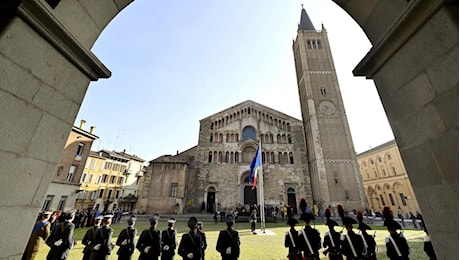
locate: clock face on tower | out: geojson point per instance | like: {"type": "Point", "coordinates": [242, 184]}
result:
{"type": "Point", "coordinates": [327, 107]}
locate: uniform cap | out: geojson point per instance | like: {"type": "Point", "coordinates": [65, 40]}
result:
{"type": "Point", "coordinates": [349, 221]}
{"type": "Point", "coordinates": [192, 222]}
{"type": "Point", "coordinates": [47, 212]}
{"type": "Point", "coordinates": [307, 217]}
{"type": "Point", "coordinates": [331, 223]}
{"type": "Point", "coordinates": [155, 217]}
{"type": "Point", "coordinates": [229, 219]}
{"type": "Point", "coordinates": [108, 216]}
{"type": "Point", "coordinates": [172, 220]}
{"type": "Point", "coordinates": [363, 226]}
{"type": "Point", "coordinates": [392, 224]}
{"type": "Point", "coordinates": [292, 222]}
{"type": "Point", "coordinates": [131, 220]}
{"type": "Point", "coordinates": [98, 217]}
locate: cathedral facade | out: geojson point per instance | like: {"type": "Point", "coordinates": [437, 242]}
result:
{"type": "Point", "coordinates": [213, 176]}
{"type": "Point", "coordinates": [312, 158]}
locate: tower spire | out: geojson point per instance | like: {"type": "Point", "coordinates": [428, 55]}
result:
{"type": "Point", "coordinates": [305, 22]}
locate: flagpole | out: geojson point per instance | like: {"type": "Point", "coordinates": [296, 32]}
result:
{"type": "Point", "coordinates": [261, 196]}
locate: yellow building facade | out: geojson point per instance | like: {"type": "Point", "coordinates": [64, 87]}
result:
{"type": "Point", "coordinates": [385, 180]}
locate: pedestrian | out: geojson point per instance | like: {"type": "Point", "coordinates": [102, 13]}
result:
{"type": "Point", "coordinates": [204, 243]}
{"type": "Point", "coordinates": [309, 238]}
{"type": "Point", "coordinates": [62, 240]}
{"type": "Point", "coordinates": [228, 242]}
{"type": "Point", "coordinates": [396, 243]}
{"type": "Point", "coordinates": [126, 240]}
{"type": "Point", "coordinates": [103, 240]}
{"type": "Point", "coordinates": [40, 232]}
{"type": "Point", "coordinates": [414, 220]}
{"type": "Point", "coordinates": [351, 244]}
{"type": "Point", "coordinates": [149, 243]}
{"type": "Point", "coordinates": [368, 240]}
{"type": "Point", "coordinates": [190, 243]}
{"type": "Point", "coordinates": [253, 220]}
{"type": "Point", "coordinates": [401, 217]}
{"type": "Point", "coordinates": [291, 241]}
{"type": "Point", "coordinates": [88, 239]}
{"type": "Point", "coordinates": [215, 217]}
{"type": "Point", "coordinates": [331, 238]}
{"type": "Point", "coordinates": [169, 241]}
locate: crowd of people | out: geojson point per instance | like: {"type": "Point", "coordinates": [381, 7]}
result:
{"type": "Point", "coordinates": [306, 242]}
{"type": "Point", "coordinates": [152, 243]}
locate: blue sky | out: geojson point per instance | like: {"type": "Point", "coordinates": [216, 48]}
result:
{"type": "Point", "coordinates": [176, 62]}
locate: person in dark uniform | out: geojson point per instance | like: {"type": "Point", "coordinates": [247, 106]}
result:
{"type": "Point", "coordinates": [169, 241]}
{"type": "Point", "coordinates": [40, 232]}
{"type": "Point", "coordinates": [368, 240]}
{"type": "Point", "coordinates": [149, 243]}
{"type": "Point", "coordinates": [88, 239]}
{"type": "Point", "coordinates": [351, 243]}
{"type": "Point", "coordinates": [291, 241]}
{"type": "Point", "coordinates": [204, 243]}
{"type": "Point", "coordinates": [228, 242]}
{"type": "Point", "coordinates": [103, 240]}
{"type": "Point", "coordinates": [126, 240]}
{"type": "Point", "coordinates": [309, 238]}
{"type": "Point", "coordinates": [397, 247]}
{"type": "Point", "coordinates": [332, 238]}
{"type": "Point", "coordinates": [62, 239]}
{"type": "Point", "coordinates": [190, 244]}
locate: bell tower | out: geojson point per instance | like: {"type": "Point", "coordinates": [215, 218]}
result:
{"type": "Point", "coordinates": [335, 177]}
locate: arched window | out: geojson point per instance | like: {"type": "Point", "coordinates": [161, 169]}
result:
{"type": "Point", "coordinates": [278, 138]}
{"type": "Point", "coordinates": [210, 138]}
{"type": "Point", "coordinates": [221, 138]}
{"type": "Point", "coordinates": [227, 138]}
{"type": "Point", "coordinates": [210, 157]}
{"type": "Point", "coordinates": [272, 155]}
{"type": "Point", "coordinates": [291, 158]}
{"type": "Point", "coordinates": [212, 126]}
{"type": "Point", "coordinates": [227, 159]}
{"type": "Point", "coordinates": [249, 133]}
{"type": "Point", "coordinates": [220, 157]}
{"type": "Point", "coordinates": [232, 157]}
{"type": "Point", "coordinates": [214, 158]}
{"type": "Point", "coordinates": [289, 139]}
{"type": "Point", "coordinates": [263, 157]}
{"type": "Point", "coordinates": [280, 158]}
{"type": "Point", "coordinates": [248, 154]}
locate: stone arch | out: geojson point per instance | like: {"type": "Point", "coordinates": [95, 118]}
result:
{"type": "Point", "coordinates": [396, 29]}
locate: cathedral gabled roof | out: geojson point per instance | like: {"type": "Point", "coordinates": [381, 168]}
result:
{"type": "Point", "coordinates": [305, 22]}
{"type": "Point", "coordinates": [252, 104]}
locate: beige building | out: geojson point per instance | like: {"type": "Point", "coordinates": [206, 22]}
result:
{"type": "Point", "coordinates": [386, 181]}
{"type": "Point", "coordinates": [110, 181]}
{"type": "Point", "coordinates": [64, 188]}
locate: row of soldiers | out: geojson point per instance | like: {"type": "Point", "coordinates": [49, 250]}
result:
{"type": "Point", "coordinates": [151, 243]}
{"type": "Point", "coordinates": [306, 243]}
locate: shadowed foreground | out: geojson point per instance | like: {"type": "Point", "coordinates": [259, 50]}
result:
{"type": "Point", "coordinates": [262, 246]}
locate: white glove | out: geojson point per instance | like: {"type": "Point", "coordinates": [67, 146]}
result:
{"type": "Point", "coordinates": [166, 248]}
{"type": "Point", "coordinates": [147, 249]}
{"type": "Point", "coordinates": [190, 255]}
{"type": "Point", "coordinates": [97, 247]}
{"type": "Point", "coordinates": [228, 251]}
{"type": "Point", "coordinates": [58, 243]}
{"type": "Point", "coordinates": [125, 242]}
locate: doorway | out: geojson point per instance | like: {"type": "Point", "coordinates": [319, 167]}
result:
{"type": "Point", "coordinates": [292, 200]}
{"type": "Point", "coordinates": [211, 200]}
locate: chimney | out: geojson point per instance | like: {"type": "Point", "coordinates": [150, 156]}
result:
{"type": "Point", "coordinates": [91, 129]}
{"type": "Point", "coordinates": [82, 123]}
